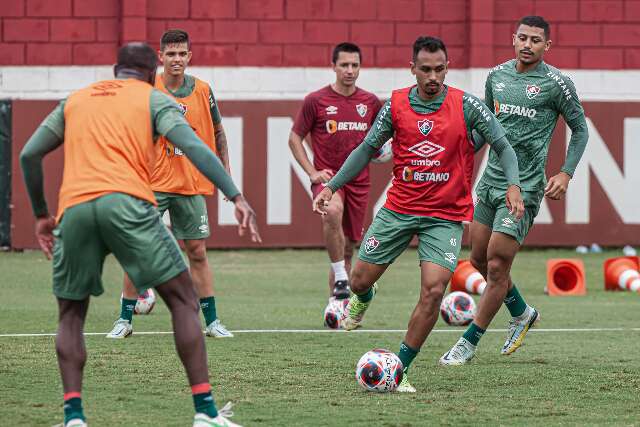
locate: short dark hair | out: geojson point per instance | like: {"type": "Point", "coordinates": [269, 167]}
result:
{"type": "Point", "coordinates": [174, 37]}
{"type": "Point", "coordinates": [430, 44]}
{"type": "Point", "coordinates": [345, 47]}
{"type": "Point", "coordinates": [536, 21]}
{"type": "Point", "coordinates": [137, 55]}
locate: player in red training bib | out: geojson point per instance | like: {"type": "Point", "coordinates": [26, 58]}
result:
{"type": "Point", "coordinates": [430, 196]}
{"type": "Point", "coordinates": [337, 118]}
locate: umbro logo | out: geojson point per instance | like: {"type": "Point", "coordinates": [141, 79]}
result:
{"type": "Point", "coordinates": [426, 149]}
{"type": "Point", "coordinates": [450, 257]}
{"type": "Point", "coordinates": [331, 109]}
{"type": "Point", "coordinates": [499, 87]}
{"type": "Point", "coordinates": [507, 222]}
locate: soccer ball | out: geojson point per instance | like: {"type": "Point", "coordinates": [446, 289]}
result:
{"type": "Point", "coordinates": [145, 302]}
{"type": "Point", "coordinates": [384, 153]}
{"type": "Point", "coordinates": [379, 370]}
{"type": "Point", "coordinates": [458, 309]}
{"type": "Point", "coordinates": [335, 312]}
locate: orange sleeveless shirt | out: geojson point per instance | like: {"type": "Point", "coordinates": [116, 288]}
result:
{"type": "Point", "coordinates": [173, 172]}
{"type": "Point", "coordinates": [108, 143]}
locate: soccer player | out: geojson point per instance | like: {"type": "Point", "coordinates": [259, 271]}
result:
{"type": "Point", "coordinates": [527, 96]}
{"type": "Point", "coordinates": [337, 117]}
{"type": "Point", "coordinates": [178, 186]}
{"type": "Point", "coordinates": [431, 192]}
{"type": "Point", "coordinates": [106, 205]}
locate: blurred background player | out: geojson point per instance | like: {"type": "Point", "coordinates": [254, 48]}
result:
{"type": "Point", "coordinates": [527, 96]}
{"type": "Point", "coordinates": [178, 186]}
{"type": "Point", "coordinates": [106, 205]}
{"type": "Point", "coordinates": [337, 117]}
{"type": "Point", "coordinates": [433, 150]}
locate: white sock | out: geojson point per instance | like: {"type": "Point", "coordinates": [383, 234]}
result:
{"type": "Point", "coordinates": [339, 271]}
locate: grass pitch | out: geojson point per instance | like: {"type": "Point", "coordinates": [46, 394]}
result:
{"type": "Point", "coordinates": [572, 377]}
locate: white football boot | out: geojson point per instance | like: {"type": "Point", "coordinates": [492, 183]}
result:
{"type": "Point", "coordinates": [518, 328]}
{"type": "Point", "coordinates": [217, 330]}
{"type": "Point", "coordinates": [222, 420]}
{"type": "Point", "coordinates": [404, 386]}
{"type": "Point", "coordinates": [462, 352]}
{"type": "Point", "coordinates": [76, 422]}
{"type": "Point", "coordinates": [121, 329]}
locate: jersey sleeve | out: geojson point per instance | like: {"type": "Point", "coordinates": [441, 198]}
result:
{"type": "Point", "coordinates": [55, 120]}
{"type": "Point", "coordinates": [488, 92]}
{"type": "Point", "coordinates": [382, 128]}
{"type": "Point", "coordinates": [479, 118]}
{"type": "Point", "coordinates": [569, 106]}
{"type": "Point", "coordinates": [165, 113]}
{"type": "Point", "coordinates": [306, 117]}
{"type": "Point", "coordinates": [216, 117]}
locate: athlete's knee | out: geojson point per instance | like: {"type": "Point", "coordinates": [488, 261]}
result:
{"type": "Point", "coordinates": [334, 214]}
{"type": "Point", "coordinates": [431, 294]}
{"type": "Point", "coordinates": [497, 269]}
{"type": "Point", "coordinates": [479, 263]}
{"type": "Point", "coordinates": [196, 251]}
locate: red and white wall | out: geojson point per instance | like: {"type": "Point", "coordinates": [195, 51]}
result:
{"type": "Point", "coordinates": [263, 56]}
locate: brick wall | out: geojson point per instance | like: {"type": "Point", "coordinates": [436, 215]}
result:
{"type": "Point", "coordinates": [589, 34]}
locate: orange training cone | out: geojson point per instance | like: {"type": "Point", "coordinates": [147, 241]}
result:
{"type": "Point", "coordinates": [467, 279]}
{"type": "Point", "coordinates": [621, 274]}
{"type": "Point", "coordinates": [566, 277]}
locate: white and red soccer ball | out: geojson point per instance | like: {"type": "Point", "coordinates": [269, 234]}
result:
{"type": "Point", "coordinates": [145, 303]}
{"type": "Point", "coordinates": [335, 312]}
{"type": "Point", "coordinates": [379, 370]}
{"type": "Point", "coordinates": [458, 309]}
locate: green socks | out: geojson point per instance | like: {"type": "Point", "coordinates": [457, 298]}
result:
{"type": "Point", "coordinates": [406, 355]}
{"type": "Point", "coordinates": [473, 333]}
{"type": "Point", "coordinates": [72, 407]}
{"type": "Point", "coordinates": [126, 309]}
{"type": "Point", "coordinates": [514, 302]}
{"type": "Point", "coordinates": [208, 306]}
{"type": "Point", "coordinates": [366, 297]}
{"type": "Point", "coordinates": [203, 400]}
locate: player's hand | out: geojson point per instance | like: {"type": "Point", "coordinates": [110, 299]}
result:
{"type": "Point", "coordinates": [321, 177]}
{"type": "Point", "coordinates": [321, 201]}
{"type": "Point", "coordinates": [246, 219]}
{"type": "Point", "coordinates": [557, 186]}
{"type": "Point", "coordinates": [44, 234]}
{"type": "Point", "coordinates": [515, 204]}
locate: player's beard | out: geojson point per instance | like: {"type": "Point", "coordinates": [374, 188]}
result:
{"type": "Point", "coordinates": [431, 88]}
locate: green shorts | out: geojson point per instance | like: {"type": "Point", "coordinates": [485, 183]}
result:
{"type": "Point", "coordinates": [491, 210]}
{"type": "Point", "coordinates": [390, 233]}
{"type": "Point", "coordinates": [117, 223]}
{"type": "Point", "coordinates": [189, 219]}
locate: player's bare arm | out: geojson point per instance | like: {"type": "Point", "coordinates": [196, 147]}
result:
{"type": "Point", "coordinates": [297, 148]}
{"type": "Point", "coordinates": [221, 146]}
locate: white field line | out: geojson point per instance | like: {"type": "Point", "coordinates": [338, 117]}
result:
{"type": "Point", "coordinates": [331, 331]}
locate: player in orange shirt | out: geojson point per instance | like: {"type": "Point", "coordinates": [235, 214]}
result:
{"type": "Point", "coordinates": [178, 186]}
{"type": "Point", "coordinates": [106, 205]}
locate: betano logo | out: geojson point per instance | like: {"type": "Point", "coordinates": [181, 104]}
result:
{"type": "Point", "coordinates": [514, 109]}
{"type": "Point", "coordinates": [333, 126]}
